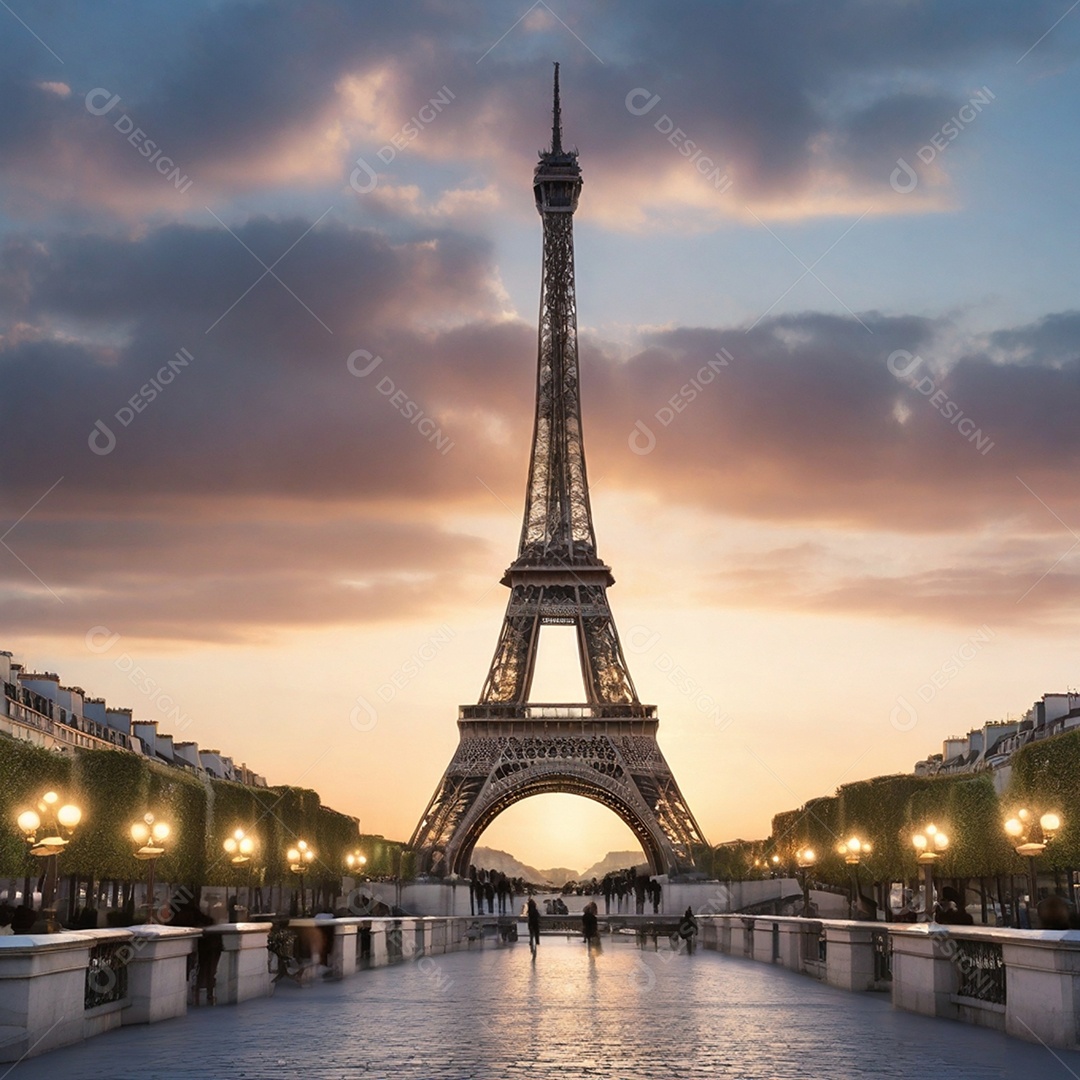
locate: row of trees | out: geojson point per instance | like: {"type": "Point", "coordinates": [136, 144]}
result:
{"type": "Point", "coordinates": [887, 810]}
{"type": "Point", "coordinates": [115, 789]}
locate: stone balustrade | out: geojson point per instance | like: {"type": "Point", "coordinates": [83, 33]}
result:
{"type": "Point", "coordinates": [340, 947]}
{"type": "Point", "coordinates": [1023, 982]}
{"type": "Point", "coordinates": [57, 989]}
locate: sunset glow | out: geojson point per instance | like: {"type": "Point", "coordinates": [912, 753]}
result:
{"type": "Point", "coordinates": [267, 408]}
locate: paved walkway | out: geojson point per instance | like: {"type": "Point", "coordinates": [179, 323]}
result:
{"type": "Point", "coordinates": [493, 1015]}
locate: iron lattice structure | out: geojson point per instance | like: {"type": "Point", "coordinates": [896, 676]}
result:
{"type": "Point", "coordinates": [604, 748]}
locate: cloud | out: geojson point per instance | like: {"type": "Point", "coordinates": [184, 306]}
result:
{"type": "Point", "coordinates": [963, 582]}
{"type": "Point", "coordinates": [805, 113]}
{"type": "Point", "coordinates": [807, 421]}
{"type": "Point", "coordinates": [231, 578]}
{"type": "Point", "coordinates": [341, 457]}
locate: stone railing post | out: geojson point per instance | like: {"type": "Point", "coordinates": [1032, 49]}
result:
{"type": "Point", "coordinates": [157, 972]}
{"type": "Point", "coordinates": [343, 952]}
{"type": "Point", "coordinates": [379, 957]}
{"type": "Point", "coordinates": [925, 978]}
{"type": "Point", "coordinates": [849, 954]}
{"type": "Point", "coordinates": [1042, 973]}
{"type": "Point", "coordinates": [42, 982]}
{"type": "Point", "coordinates": [243, 970]}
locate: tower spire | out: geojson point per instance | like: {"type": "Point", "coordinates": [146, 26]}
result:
{"type": "Point", "coordinates": [556, 118]}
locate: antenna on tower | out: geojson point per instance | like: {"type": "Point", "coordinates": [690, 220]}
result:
{"type": "Point", "coordinates": [556, 118]}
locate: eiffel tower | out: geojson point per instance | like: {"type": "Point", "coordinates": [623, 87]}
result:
{"type": "Point", "coordinates": [510, 748]}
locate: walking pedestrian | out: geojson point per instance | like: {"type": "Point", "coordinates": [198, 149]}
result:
{"type": "Point", "coordinates": [532, 915]}
{"type": "Point", "coordinates": [590, 924]}
{"type": "Point", "coordinates": [688, 929]}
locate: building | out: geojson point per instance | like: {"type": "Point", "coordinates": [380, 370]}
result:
{"type": "Point", "coordinates": [38, 709]}
{"type": "Point", "coordinates": [991, 746]}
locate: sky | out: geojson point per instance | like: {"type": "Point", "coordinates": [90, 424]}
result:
{"type": "Point", "coordinates": [826, 270]}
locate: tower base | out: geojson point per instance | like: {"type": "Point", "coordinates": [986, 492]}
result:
{"type": "Point", "coordinates": [608, 753]}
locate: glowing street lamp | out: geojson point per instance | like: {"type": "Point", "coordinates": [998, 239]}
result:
{"type": "Point", "coordinates": [150, 835]}
{"type": "Point", "coordinates": [48, 830]}
{"type": "Point", "coordinates": [929, 844]}
{"type": "Point", "coordinates": [805, 858]}
{"type": "Point", "coordinates": [853, 850]}
{"type": "Point", "coordinates": [300, 858]}
{"type": "Point", "coordinates": [239, 847]}
{"type": "Point", "coordinates": [1030, 839]}
{"type": "Point", "coordinates": [356, 861]}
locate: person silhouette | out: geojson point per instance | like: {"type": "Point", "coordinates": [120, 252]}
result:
{"type": "Point", "coordinates": [688, 929]}
{"type": "Point", "coordinates": [532, 915]}
{"type": "Point", "coordinates": [590, 927]}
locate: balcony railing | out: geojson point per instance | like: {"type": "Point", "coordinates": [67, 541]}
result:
{"type": "Point", "coordinates": [982, 970]}
{"type": "Point", "coordinates": [537, 711]}
{"type": "Point", "coordinates": [73, 734]}
{"type": "Point", "coordinates": [106, 974]}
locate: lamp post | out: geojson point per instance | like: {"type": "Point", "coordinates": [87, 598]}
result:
{"type": "Point", "coordinates": [300, 858]}
{"type": "Point", "coordinates": [355, 861]}
{"type": "Point", "coordinates": [853, 851]}
{"type": "Point", "coordinates": [1030, 839]}
{"type": "Point", "coordinates": [805, 859]}
{"type": "Point", "coordinates": [150, 835]}
{"type": "Point", "coordinates": [929, 844]}
{"type": "Point", "coordinates": [239, 847]}
{"type": "Point", "coordinates": [48, 830]}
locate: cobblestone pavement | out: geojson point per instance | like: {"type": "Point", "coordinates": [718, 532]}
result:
{"type": "Point", "coordinates": [494, 1015]}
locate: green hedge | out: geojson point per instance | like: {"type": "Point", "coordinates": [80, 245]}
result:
{"type": "Point", "coordinates": [115, 789]}
{"type": "Point", "coordinates": [1046, 776]}
{"type": "Point", "coordinates": [26, 773]}
{"type": "Point", "coordinates": [888, 810]}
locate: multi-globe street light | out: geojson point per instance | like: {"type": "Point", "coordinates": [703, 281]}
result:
{"type": "Point", "coordinates": [1030, 838]}
{"type": "Point", "coordinates": [853, 850]}
{"type": "Point", "coordinates": [48, 830]}
{"type": "Point", "coordinates": [805, 858]}
{"type": "Point", "coordinates": [300, 858]}
{"type": "Point", "coordinates": [929, 844]}
{"type": "Point", "coordinates": [150, 835]}
{"type": "Point", "coordinates": [239, 847]}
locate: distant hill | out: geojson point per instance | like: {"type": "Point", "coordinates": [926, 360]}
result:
{"type": "Point", "coordinates": [560, 875]}
{"type": "Point", "coordinates": [492, 859]}
{"type": "Point", "coordinates": [613, 860]}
